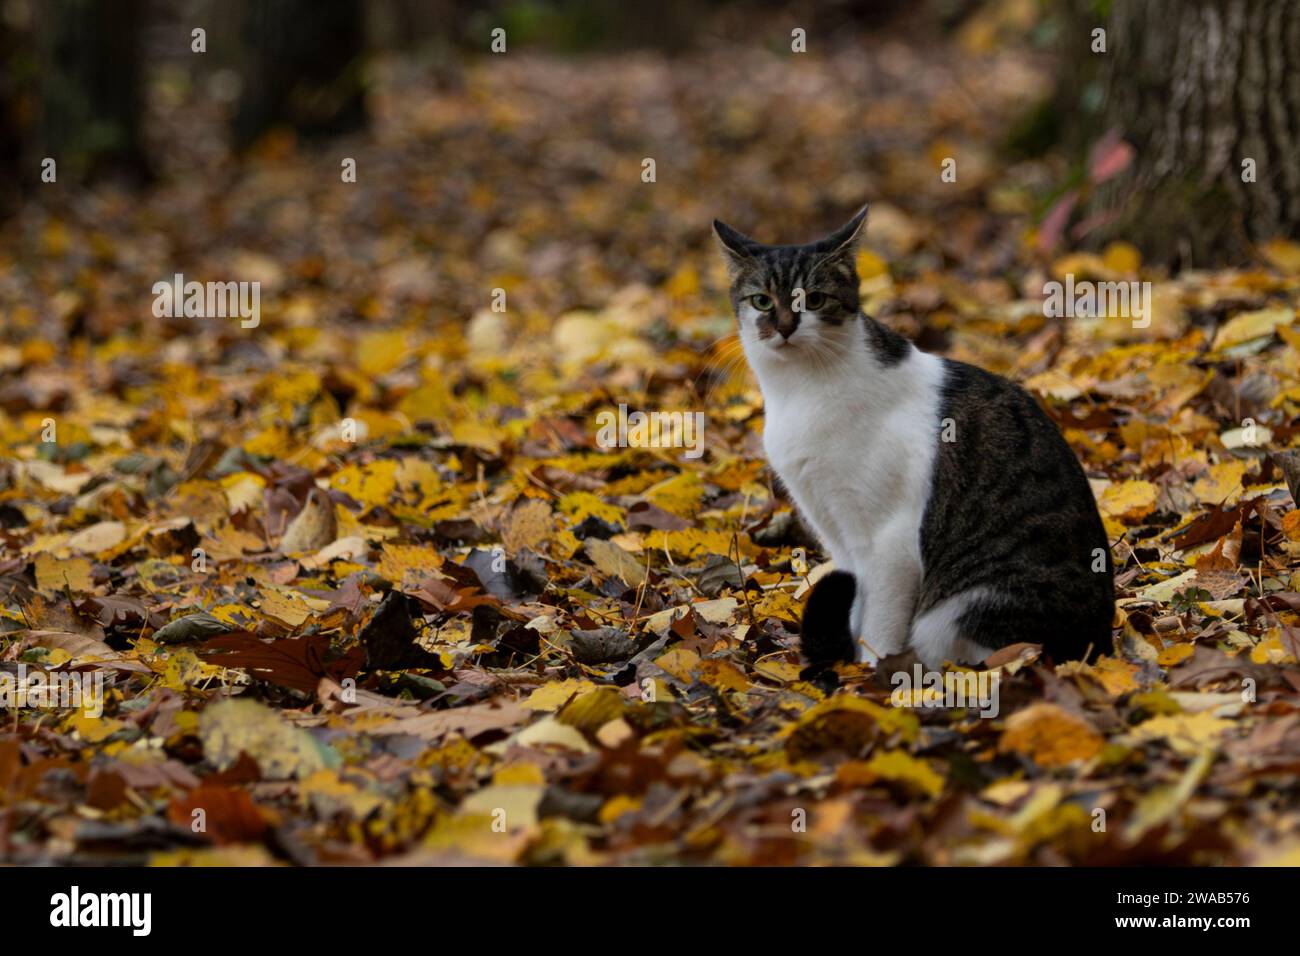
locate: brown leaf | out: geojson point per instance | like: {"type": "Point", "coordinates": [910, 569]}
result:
{"type": "Point", "coordinates": [228, 815]}
{"type": "Point", "coordinates": [389, 637]}
{"type": "Point", "coordinates": [1289, 464]}
{"type": "Point", "coordinates": [295, 663]}
{"type": "Point", "coordinates": [470, 722]}
{"type": "Point", "coordinates": [527, 526]}
{"type": "Point", "coordinates": [313, 528]}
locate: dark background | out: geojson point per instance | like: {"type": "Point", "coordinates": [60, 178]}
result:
{"type": "Point", "coordinates": [1193, 86]}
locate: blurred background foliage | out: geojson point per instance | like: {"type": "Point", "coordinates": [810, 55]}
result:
{"type": "Point", "coordinates": [1179, 94]}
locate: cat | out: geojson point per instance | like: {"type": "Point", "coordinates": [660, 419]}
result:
{"type": "Point", "coordinates": [957, 518]}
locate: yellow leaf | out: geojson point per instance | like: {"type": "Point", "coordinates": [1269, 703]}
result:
{"type": "Point", "coordinates": [1121, 257]}
{"type": "Point", "coordinates": [1115, 675]}
{"type": "Point", "coordinates": [618, 805]}
{"type": "Point", "coordinates": [1188, 734]}
{"type": "Point", "coordinates": [613, 562]}
{"type": "Point", "coordinates": [240, 725]}
{"type": "Point", "coordinates": [1174, 653]}
{"type": "Point", "coordinates": [1162, 592]}
{"type": "Point", "coordinates": [581, 505]}
{"type": "Point", "coordinates": [717, 611]}
{"type": "Point", "coordinates": [1083, 265]}
{"type": "Point", "coordinates": [408, 563]}
{"type": "Point", "coordinates": [1283, 255]}
{"type": "Point", "coordinates": [1222, 484]}
{"type": "Point", "coordinates": [779, 604]}
{"type": "Point", "coordinates": [1290, 336]}
{"type": "Point", "coordinates": [692, 543]}
{"type": "Point", "coordinates": [477, 435]}
{"type": "Point", "coordinates": [685, 282]}
{"type": "Point", "coordinates": [52, 574]}
{"type": "Point", "coordinates": [380, 352]}
{"type": "Point", "coordinates": [222, 856]}
{"type": "Point", "coordinates": [1005, 792]}
{"type": "Point", "coordinates": [1129, 500]}
{"type": "Point", "coordinates": [723, 675]}
{"type": "Point", "coordinates": [1050, 736]}
{"type": "Point", "coordinates": [556, 693]}
{"type": "Point", "coordinates": [429, 402]}
{"type": "Point", "coordinates": [269, 441]}
{"type": "Point", "coordinates": [779, 671]}
{"type": "Point", "coordinates": [243, 491]}
{"type": "Point", "coordinates": [615, 733]}
{"type": "Point", "coordinates": [680, 663]}
{"type": "Point", "coordinates": [370, 484]}
{"type": "Point", "coordinates": [1252, 325]}
{"type": "Point", "coordinates": [519, 774]}
{"type": "Point", "coordinates": [287, 607]}
{"type": "Point", "coordinates": [1160, 804]}
{"type": "Point", "coordinates": [679, 494]}
{"type": "Point", "coordinates": [901, 767]}
{"type": "Point", "coordinates": [592, 710]}
{"type": "Point", "coordinates": [1270, 650]}
{"type": "Point", "coordinates": [528, 526]}
{"type": "Point", "coordinates": [420, 475]}
{"type": "Point", "coordinates": [93, 730]}
{"type": "Point", "coordinates": [329, 794]}
{"type": "Point", "coordinates": [515, 805]}
{"type": "Point", "coordinates": [870, 265]}
{"type": "Point", "coordinates": [373, 424]}
{"type": "Point", "coordinates": [848, 723]}
{"type": "Point", "coordinates": [98, 537]}
{"type": "Point", "coordinates": [550, 731]}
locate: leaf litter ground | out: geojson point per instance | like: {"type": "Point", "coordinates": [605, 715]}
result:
{"type": "Point", "coordinates": [361, 585]}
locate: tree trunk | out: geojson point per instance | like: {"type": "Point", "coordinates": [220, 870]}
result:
{"type": "Point", "coordinates": [89, 87]}
{"type": "Point", "coordinates": [17, 106]}
{"type": "Point", "coordinates": [1208, 94]}
{"type": "Point", "coordinates": [304, 68]}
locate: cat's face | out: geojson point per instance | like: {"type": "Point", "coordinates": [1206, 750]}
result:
{"type": "Point", "coordinates": [793, 302]}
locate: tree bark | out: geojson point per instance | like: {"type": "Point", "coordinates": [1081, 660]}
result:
{"type": "Point", "coordinates": [1201, 89]}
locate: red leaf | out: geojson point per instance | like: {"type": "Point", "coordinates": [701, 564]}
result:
{"type": "Point", "coordinates": [229, 816]}
{"type": "Point", "coordinates": [1110, 156]}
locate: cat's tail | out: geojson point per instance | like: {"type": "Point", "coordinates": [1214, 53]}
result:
{"type": "Point", "coordinates": [825, 632]}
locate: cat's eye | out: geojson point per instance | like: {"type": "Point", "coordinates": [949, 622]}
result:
{"type": "Point", "coordinates": [762, 302]}
{"type": "Point", "coordinates": [814, 301]}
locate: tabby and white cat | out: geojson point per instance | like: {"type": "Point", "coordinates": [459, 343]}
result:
{"type": "Point", "coordinates": [957, 517]}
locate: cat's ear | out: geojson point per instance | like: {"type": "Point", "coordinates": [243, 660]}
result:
{"type": "Point", "coordinates": [844, 240]}
{"type": "Point", "coordinates": [737, 248]}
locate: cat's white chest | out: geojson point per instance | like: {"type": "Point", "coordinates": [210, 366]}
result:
{"type": "Point", "coordinates": [857, 455]}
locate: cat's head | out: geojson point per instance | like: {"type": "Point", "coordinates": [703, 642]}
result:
{"type": "Point", "coordinates": [793, 301]}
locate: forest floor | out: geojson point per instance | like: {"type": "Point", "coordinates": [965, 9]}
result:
{"type": "Point", "coordinates": [486, 638]}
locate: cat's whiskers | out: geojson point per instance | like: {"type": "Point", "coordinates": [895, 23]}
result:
{"type": "Point", "coordinates": [719, 350]}
{"type": "Point", "coordinates": [725, 376]}
{"type": "Point", "coordinates": [728, 355]}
